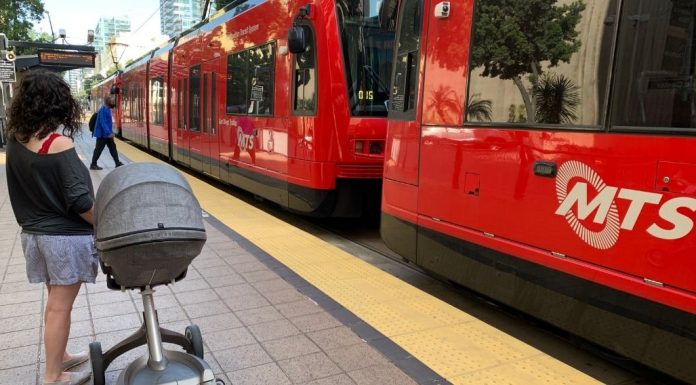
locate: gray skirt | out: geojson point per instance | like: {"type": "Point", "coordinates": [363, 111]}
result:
{"type": "Point", "coordinates": [60, 259]}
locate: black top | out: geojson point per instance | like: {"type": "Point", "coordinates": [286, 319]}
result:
{"type": "Point", "coordinates": [48, 191]}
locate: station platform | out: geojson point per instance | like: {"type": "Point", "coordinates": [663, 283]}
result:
{"type": "Point", "coordinates": [276, 305]}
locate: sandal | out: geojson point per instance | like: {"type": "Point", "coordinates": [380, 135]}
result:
{"type": "Point", "coordinates": [76, 378]}
{"type": "Point", "coordinates": [76, 359]}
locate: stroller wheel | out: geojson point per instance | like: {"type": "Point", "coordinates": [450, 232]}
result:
{"type": "Point", "coordinates": [193, 334]}
{"type": "Point", "coordinates": [219, 382]}
{"type": "Point", "coordinates": [97, 359]}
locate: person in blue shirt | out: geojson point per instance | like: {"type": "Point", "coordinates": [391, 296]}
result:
{"type": "Point", "coordinates": [103, 131]}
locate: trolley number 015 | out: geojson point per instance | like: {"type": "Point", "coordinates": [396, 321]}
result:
{"type": "Point", "coordinates": [366, 95]}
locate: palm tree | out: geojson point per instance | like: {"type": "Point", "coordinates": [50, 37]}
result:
{"type": "Point", "coordinates": [479, 109]}
{"type": "Point", "coordinates": [556, 99]}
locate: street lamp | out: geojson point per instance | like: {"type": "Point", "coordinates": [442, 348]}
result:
{"type": "Point", "coordinates": [114, 47]}
{"type": "Point", "coordinates": [50, 23]}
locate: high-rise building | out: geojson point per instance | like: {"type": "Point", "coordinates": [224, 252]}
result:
{"type": "Point", "coordinates": [179, 15]}
{"type": "Point", "coordinates": [74, 79]}
{"type": "Point", "coordinates": [107, 27]}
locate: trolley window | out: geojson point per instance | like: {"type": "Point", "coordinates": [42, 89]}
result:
{"type": "Point", "coordinates": [125, 104]}
{"type": "Point", "coordinates": [157, 100]}
{"type": "Point", "coordinates": [654, 81]}
{"type": "Point", "coordinates": [405, 76]}
{"type": "Point", "coordinates": [195, 98]}
{"type": "Point", "coordinates": [206, 103]}
{"type": "Point", "coordinates": [180, 117]}
{"type": "Point", "coordinates": [368, 54]}
{"type": "Point", "coordinates": [305, 97]}
{"type": "Point", "coordinates": [250, 81]}
{"type": "Point", "coordinates": [549, 65]}
{"type": "Point", "coordinates": [139, 104]}
{"type": "Point", "coordinates": [132, 104]}
{"type": "Point", "coordinates": [213, 104]}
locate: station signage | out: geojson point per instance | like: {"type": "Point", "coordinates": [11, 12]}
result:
{"type": "Point", "coordinates": [7, 71]}
{"type": "Point", "coordinates": [66, 58]}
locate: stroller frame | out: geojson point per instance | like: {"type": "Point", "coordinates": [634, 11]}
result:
{"type": "Point", "coordinates": [159, 366]}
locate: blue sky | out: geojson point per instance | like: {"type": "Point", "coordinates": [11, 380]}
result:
{"type": "Point", "coordinates": [77, 16]}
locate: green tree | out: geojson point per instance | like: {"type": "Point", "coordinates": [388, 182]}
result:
{"type": "Point", "coordinates": [112, 70]}
{"type": "Point", "coordinates": [37, 37]}
{"type": "Point", "coordinates": [17, 17]}
{"type": "Point", "coordinates": [479, 109]}
{"type": "Point", "coordinates": [91, 81]}
{"type": "Point", "coordinates": [556, 98]}
{"type": "Point", "coordinates": [40, 37]}
{"type": "Point", "coordinates": [512, 38]}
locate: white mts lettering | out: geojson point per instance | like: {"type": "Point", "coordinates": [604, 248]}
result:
{"type": "Point", "coordinates": [669, 212]}
{"type": "Point", "coordinates": [638, 200]}
{"type": "Point", "coordinates": [244, 141]}
{"type": "Point", "coordinates": [601, 203]}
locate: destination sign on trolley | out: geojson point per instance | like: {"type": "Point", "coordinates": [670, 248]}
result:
{"type": "Point", "coordinates": [66, 58]}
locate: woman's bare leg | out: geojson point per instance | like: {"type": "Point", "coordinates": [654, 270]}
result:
{"type": "Point", "coordinates": [57, 329]}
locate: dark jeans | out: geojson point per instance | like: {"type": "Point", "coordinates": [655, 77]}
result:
{"type": "Point", "coordinates": [108, 142]}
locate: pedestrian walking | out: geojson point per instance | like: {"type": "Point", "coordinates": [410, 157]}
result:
{"type": "Point", "coordinates": [52, 198]}
{"type": "Point", "coordinates": [104, 132]}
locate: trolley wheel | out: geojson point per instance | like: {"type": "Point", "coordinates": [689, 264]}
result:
{"type": "Point", "coordinates": [97, 359]}
{"type": "Point", "coordinates": [193, 334]}
{"type": "Point", "coordinates": [219, 382]}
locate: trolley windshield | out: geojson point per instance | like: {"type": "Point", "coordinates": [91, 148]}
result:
{"type": "Point", "coordinates": [368, 54]}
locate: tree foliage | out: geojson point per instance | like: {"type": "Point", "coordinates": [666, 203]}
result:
{"type": "Point", "coordinates": [556, 98]}
{"type": "Point", "coordinates": [17, 18]}
{"type": "Point", "coordinates": [478, 109]}
{"type": "Point", "coordinates": [37, 37]}
{"type": "Point", "coordinates": [91, 81]}
{"type": "Point", "coordinates": [113, 69]}
{"type": "Point", "coordinates": [513, 38]}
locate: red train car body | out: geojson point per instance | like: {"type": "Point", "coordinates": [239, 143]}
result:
{"type": "Point", "coordinates": [552, 168]}
{"type": "Point", "coordinates": [228, 99]}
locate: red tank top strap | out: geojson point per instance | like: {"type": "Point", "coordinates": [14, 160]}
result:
{"type": "Point", "coordinates": [47, 143]}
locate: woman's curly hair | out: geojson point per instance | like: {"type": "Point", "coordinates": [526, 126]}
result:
{"type": "Point", "coordinates": [41, 105]}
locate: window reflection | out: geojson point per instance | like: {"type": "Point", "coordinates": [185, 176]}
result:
{"type": "Point", "coordinates": [157, 100]}
{"type": "Point", "coordinates": [250, 81]}
{"type": "Point", "coordinates": [540, 66]}
{"type": "Point", "coordinates": [367, 53]}
{"type": "Point", "coordinates": [305, 76]}
{"type": "Point", "coordinates": [654, 80]}
{"type": "Point", "coordinates": [195, 98]}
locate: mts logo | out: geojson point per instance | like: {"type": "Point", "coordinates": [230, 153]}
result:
{"type": "Point", "coordinates": [602, 209]}
{"type": "Point", "coordinates": [245, 141]}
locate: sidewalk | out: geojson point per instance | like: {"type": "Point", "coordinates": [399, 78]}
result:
{"type": "Point", "coordinates": [261, 323]}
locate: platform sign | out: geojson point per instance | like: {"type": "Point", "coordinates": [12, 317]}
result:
{"type": "Point", "coordinates": [67, 58]}
{"type": "Point", "coordinates": [7, 72]}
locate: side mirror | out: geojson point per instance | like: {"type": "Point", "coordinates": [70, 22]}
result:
{"type": "Point", "coordinates": [297, 42]}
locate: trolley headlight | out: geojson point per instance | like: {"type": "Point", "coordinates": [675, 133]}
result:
{"type": "Point", "coordinates": [359, 146]}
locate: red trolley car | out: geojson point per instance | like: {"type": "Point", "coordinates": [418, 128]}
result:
{"type": "Point", "coordinates": [542, 153]}
{"type": "Point", "coordinates": [228, 98]}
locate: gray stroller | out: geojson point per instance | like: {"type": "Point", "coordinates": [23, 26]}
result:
{"type": "Point", "coordinates": [149, 228]}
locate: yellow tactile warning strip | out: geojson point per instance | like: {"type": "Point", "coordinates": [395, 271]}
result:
{"type": "Point", "coordinates": [457, 346]}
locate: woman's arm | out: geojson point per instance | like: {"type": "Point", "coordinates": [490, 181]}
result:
{"type": "Point", "coordinates": [89, 215]}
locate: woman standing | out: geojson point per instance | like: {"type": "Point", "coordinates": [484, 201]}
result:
{"type": "Point", "coordinates": [52, 198]}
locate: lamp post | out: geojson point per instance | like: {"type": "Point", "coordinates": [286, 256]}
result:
{"type": "Point", "coordinates": [50, 23]}
{"type": "Point", "coordinates": [114, 47]}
